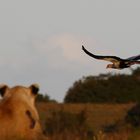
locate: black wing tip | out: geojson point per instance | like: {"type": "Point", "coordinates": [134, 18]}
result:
{"type": "Point", "coordinates": [83, 48]}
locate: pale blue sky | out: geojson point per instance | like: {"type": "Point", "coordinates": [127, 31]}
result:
{"type": "Point", "coordinates": [40, 40]}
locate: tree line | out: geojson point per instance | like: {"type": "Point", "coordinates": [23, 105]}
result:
{"type": "Point", "coordinates": [106, 88]}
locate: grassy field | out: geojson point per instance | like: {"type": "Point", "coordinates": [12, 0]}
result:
{"type": "Point", "coordinates": [97, 116]}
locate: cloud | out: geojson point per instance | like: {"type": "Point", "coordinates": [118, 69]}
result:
{"type": "Point", "coordinates": [69, 45]}
{"type": "Point", "coordinates": [64, 48]}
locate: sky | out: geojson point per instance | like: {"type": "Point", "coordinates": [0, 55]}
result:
{"type": "Point", "coordinates": [40, 40]}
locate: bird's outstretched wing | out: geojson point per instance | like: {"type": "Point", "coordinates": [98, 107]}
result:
{"type": "Point", "coordinates": [134, 58]}
{"type": "Point", "coordinates": [112, 59]}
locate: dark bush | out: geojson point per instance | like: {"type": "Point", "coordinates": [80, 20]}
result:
{"type": "Point", "coordinates": [119, 88]}
{"type": "Point", "coordinates": [133, 116]}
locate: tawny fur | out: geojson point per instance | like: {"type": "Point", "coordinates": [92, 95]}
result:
{"type": "Point", "coordinates": [14, 120]}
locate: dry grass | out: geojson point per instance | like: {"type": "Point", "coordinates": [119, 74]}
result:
{"type": "Point", "coordinates": [99, 136]}
{"type": "Point", "coordinates": [98, 115]}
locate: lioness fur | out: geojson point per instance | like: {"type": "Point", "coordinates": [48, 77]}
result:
{"type": "Point", "coordinates": [19, 118]}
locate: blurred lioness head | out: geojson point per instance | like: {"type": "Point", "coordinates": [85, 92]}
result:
{"type": "Point", "coordinates": [18, 115]}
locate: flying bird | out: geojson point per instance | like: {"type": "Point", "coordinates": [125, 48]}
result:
{"type": "Point", "coordinates": [117, 62]}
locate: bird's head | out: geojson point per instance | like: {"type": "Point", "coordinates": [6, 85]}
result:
{"type": "Point", "coordinates": [109, 66]}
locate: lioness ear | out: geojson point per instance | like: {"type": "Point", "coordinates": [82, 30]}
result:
{"type": "Point", "coordinates": [34, 88]}
{"type": "Point", "coordinates": [3, 89]}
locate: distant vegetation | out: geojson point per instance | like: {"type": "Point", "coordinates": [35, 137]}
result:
{"type": "Point", "coordinates": [106, 88]}
{"type": "Point", "coordinates": [44, 98]}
